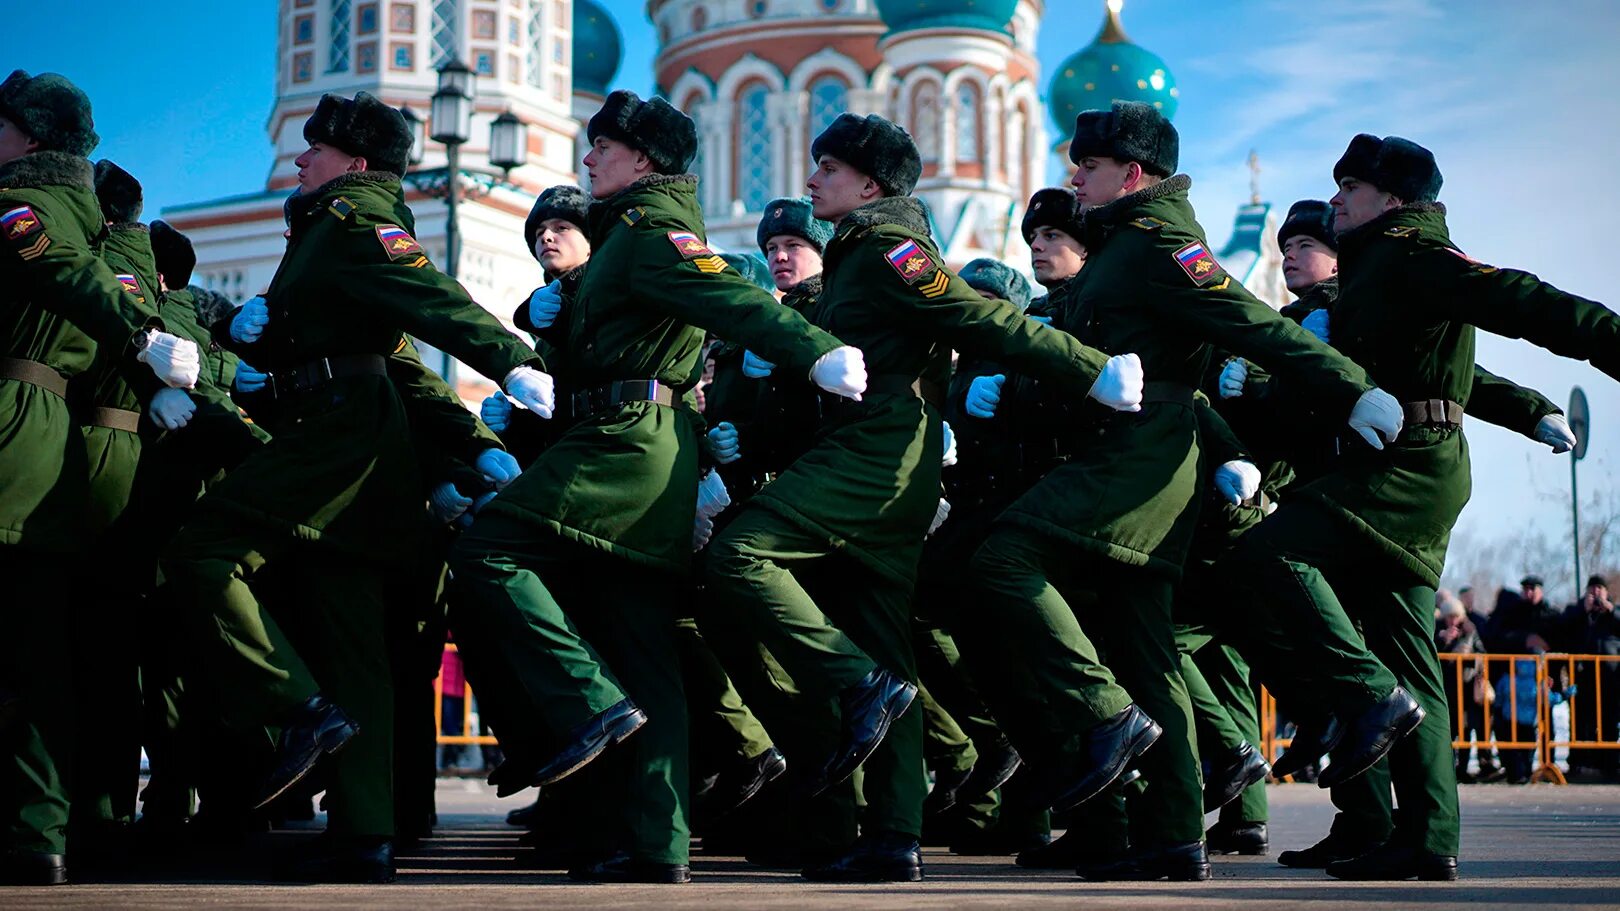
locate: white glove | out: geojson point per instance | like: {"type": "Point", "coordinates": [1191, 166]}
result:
{"type": "Point", "coordinates": [544, 305]}
{"type": "Point", "coordinates": [949, 458]}
{"type": "Point", "coordinates": [1316, 323]}
{"type": "Point", "coordinates": [247, 326]}
{"type": "Point", "coordinates": [171, 409]}
{"type": "Point", "coordinates": [723, 443]}
{"type": "Point", "coordinates": [175, 360]}
{"type": "Point", "coordinates": [1233, 376]}
{"type": "Point", "coordinates": [841, 371]}
{"type": "Point", "coordinates": [1237, 480]}
{"type": "Point", "coordinates": [447, 504]}
{"type": "Point", "coordinates": [983, 395]}
{"type": "Point", "coordinates": [1119, 386]}
{"type": "Point", "coordinates": [941, 513]}
{"type": "Point", "coordinates": [497, 466]}
{"type": "Point", "coordinates": [702, 531]}
{"type": "Point", "coordinates": [1376, 415]}
{"type": "Point", "coordinates": [496, 412]}
{"type": "Point", "coordinates": [713, 498]}
{"type": "Point", "coordinates": [532, 389]}
{"type": "Point", "coordinates": [1554, 431]}
{"type": "Point", "coordinates": [755, 366]}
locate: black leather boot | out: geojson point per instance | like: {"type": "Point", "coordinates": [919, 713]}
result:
{"type": "Point", "coordinates": [883, 857]}
{"type": "Point", "coordinates": [317, 728]}
{"type": "Point", "coordinates": [1183, 862]}
{"type": "Point", "coordinates": [1108, 749]}
{"type": "Point", "coordinates": [869, 707]}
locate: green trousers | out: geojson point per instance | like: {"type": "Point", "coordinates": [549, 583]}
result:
{"type": "Point", "coordinates": [554, 632]}
{"type": "Point", "coordinates": [1315, 581]}
{"type": "Point", "coordinates": [36, 665]}
{"type": "Point", "coordinates": [830, 621]}
{"type": "Point", "coordinates": [1226, 711]}
{"type": "Point", "coordinates": [325, 622]}
{"type": "Point", "coordinates": [1042, 599]}
{"type": "Point", "coordinates": [724, 729]}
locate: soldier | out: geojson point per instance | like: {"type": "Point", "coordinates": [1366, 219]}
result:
{"type": "Point", "coordinates": [323, 499]}
{"type": "Point", "coordinates": [558, 659]}
{"type": "Point", "coordinates": [824, 559]}
{"type": "Point", "coordinates": [61, 302]}
{"type": "Point", "coordinates": [1125, 499]}
{"type": "Point", "coordinates": [1350, 544]}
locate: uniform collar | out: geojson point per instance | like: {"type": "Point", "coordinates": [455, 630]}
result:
{"type": "Point", "coordinates": [1427, 216]}
{"type": "Point", "coordinates": [903, 211]}
{"type": "Point", "coordinates": [1320, 296]}
{"type": "Point", "coordinates": [48, 169]}
{"type": "Point", "coordinates": [301, 204]}
{"type": "Point", "coordinates": [1112, 214]}
{"type": "Point", "coordinates": [810, 287]}
{"type": "Point", "coordinates": [673, 190]}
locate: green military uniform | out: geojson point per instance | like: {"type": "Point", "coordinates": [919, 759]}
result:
{"type": "Point", "coordinates": [326, 491]}
{"type": "Point", "coordinates": [826, 556]}
{"type": "Point", "coordinates": [1126, 501]}
{"type": "Point", "coordinates": [1394, 509]}
{"type": "Point", "coordinates": [613, 497]}
{"type": "Point", "coordinates": [61, 302]}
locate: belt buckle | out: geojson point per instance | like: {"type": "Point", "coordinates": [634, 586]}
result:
{"type": "Point", "coordinates": [326, 367]}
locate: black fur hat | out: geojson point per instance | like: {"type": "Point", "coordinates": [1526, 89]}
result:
{"type": "Point", "coordinates": [118, 192]}
{"type": "Point", "coordinates": [876, 147]}
{"type": "Point", "coordinates": [561, 201]}
{"type": "Point", "coordinates": [997, 279]}
{"type": "Point", "coordinates": [1399, 167]}
{"type": "Point", "coordinates": [1129, 131]}
{"type": "Point", "coordinates": [212, 307]}
{"type": "Point", "coordinates": [51, 109]}
{"type": "Point", "coordinates": [792, 215]}
{"type": "Point", "coordinates": [752, 268]}
{"type": "Point", "coordinates": [664, 134]}
{"type": "Point", "coordinates": [1053, 207]}
{"type": "Point", "coordinates": [363, 127]}
{"type": "Point", "coordinates": [1311, 217]}
{"type": "Point", "coordinates": [176, 258]}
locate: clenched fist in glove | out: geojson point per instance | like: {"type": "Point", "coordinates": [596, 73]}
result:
{"type": "Point", "coordinates": [1119, 386]}
{"type": "Point", "coordinates": [447, 504]}
{"type": "Point", "coordinates": [983, 395]}
{"type": "Point", "coordinates": [544, 305]}
{"type": "Point", "coordinates": [171, 409]}
{"type": "Point", "coordinates": [1554, 431]}
{"type": "Point", "coordinates": [247, 326]}
{"type": "Point", "coordinates": [941, 513]}
{"type": "Point", "coordinates": [1233, 376]}
{"type": "Point", "coordinates": [496, 412]}
{"type": "Point", "coordinates": [174, 359]}
{"type": "Point", "coordinates": [756, 367]}
{"type": "Point", "coordinates": [498, 467]}
{"type": "Point", "coordinates": [1316, 323]}
{"type": "Point", "coordinates": [723, 443]}
{"type": "Point", "coordinates": [841, 371]}
{"type": "Point", "coordinates": [249, 379]}
{"type": "Point", "coordinates": [533, 390]}
{"type": "Point", "coordinates": [1377, 417]}
{"type": "Point", "coordinates": [713, 498]}
{"type": "Point", "coordinates": [1237, 480]}
{"type": "Point", "coordinates": [949, 458]}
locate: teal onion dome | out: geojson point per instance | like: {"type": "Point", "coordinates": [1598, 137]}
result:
{"type": "Point", "coordinates": [598, 48]}
{"type": "Point", "coordinates": [909, 15]}
{"type": "Point", "coordinates": [1110, 69]}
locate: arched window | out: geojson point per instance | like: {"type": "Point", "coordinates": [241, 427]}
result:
{"type": "Point", "coordinates": [925, 121]}
{"type": "Point", "coordinates": [829, 97]}
{"type": "Point", "coordinates": [689, 108]}
{"type": "Point", "coordinates": [338, 57]}
{"type": "Point", "coordinates": [967, 123]}
{"type": "Point", "coordinates": [535, 59]}
{"type": "Point", "coordinates": [753, 147]}
{"type": "Point", "coordinates": [446, 31]}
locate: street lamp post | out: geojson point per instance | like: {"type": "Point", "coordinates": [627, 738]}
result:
{"type": "Point", "coordinates": [452, 125]}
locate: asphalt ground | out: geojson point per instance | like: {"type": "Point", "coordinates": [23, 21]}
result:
{"type": "Point", "coordinates": [1524, 846]}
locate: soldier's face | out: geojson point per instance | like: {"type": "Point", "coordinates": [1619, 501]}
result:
{"type": "Point", "coordinates": [561, 246]}
{"type": "Point", "coordinates": [1055, 256]}
{"type": "Point", "coordinates": [836, 189]}
{"type": "Point", "coordinates": [322, 163]}
{"type": "Point", "coordinates": [1097, 181]}
{"type": "Point", "coordinates": [611, 166]}
{"type": "Point", "coordinates": [1357, 203]}
{"type": "Point", "coordinates": [14, 143]}
{"type": "Point", "coordinates": [1306, 262]}
{"type": "Point", "coordinates": [792, 260]}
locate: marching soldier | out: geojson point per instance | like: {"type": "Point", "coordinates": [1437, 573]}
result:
{"type": "Point", "coordinates": [61, 303]}
{"type": "Point", "coordinates": [323, 498]}
{"type": "Point", "coordinates": [824, 559]}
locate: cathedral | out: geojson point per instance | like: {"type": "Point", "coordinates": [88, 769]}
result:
{"type": "Point", "coordinates": [761, 78]}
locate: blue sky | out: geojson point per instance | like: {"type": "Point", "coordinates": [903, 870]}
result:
{"type": "Point", "coordinates": [1517, 100]}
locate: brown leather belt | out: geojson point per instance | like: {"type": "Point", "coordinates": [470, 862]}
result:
{"type": "Point", "coordinates": [318, 373]}
{"type": "Point", "coordinates": [1156, 392]}
{"type": "Point", "coordinates": [1441, 412]}
{"type": "Point", "coordinates": [115, 418]}
{"type": "Point", "coordinates": [619, 392]}
{"type": "Point", "coordinates": [33, 373]}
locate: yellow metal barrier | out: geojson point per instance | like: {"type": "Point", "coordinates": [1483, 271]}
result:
{"type": "Point", "coordinates": [466, 710]}
{"type": "Point", "coordinates": [1503, 694]}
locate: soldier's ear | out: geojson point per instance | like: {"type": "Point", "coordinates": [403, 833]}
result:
{"type": "Point", "coordinates": [359, 163]}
